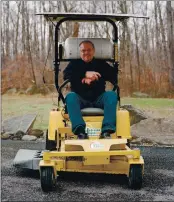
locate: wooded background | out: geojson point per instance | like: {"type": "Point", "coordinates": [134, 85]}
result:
{"type": "Point", "coordinates": [146, 47]}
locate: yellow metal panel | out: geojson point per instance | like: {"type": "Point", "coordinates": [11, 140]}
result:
{"type": "Point", "coordinates": [60, 165]}
{"type": "Point", "coordinates": [96, 160]}
{"type": "Point", "coordinates": [119, 167]}
{"type": "Point", "coordinates": [55, 121]}
{"type": "Point", "coordinates": [73, 148]}
{"type": "Point", "coordinates": [136, 161]}
{"type": "Point", "coordinates": [135, 153]}
{"type": "Point", "coordinates": [93, 118]}
{"type": "Point", "coordinates": [64, 130]}
{"type": "Point", "coordinates": [46, 163]}
{"type": "Point", "coordinates": [88, 118]}
{"type": "Point", "coordinates": [123, 124]}
{"type": "Point", "coordinates": [96, 145]}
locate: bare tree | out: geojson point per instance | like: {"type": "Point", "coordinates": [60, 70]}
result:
{"type": "Point", "coordinates": [17, 27]}
{"type": "Point", "coordinates": [137, 50]}
{"type": "Point", "coordinates": [7, 29]}
{"type": "Point", "coordinates": [170, 32]}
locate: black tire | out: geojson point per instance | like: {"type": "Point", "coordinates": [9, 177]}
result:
{"type": "Point", "coordinates": [47, 179]}
{"type": "Point", "coordinates": [50, 144]}
{"type": "Point", "coordinates": [135, 176]}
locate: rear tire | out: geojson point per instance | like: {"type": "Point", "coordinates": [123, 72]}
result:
{"type": "Point", "coordinates": [135, 176]}
{"type": "Point", "coordinates": [47, 178]}
{"type": "Point", "coordinates": [50, 144]}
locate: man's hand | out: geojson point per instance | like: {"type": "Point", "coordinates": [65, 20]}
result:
{"type": "Point", "coordinates": [87, 81]}
{"type": "Point", "coordinates": [92, 75]}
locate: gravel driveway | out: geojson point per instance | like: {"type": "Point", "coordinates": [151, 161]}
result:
{"type": "Point", "coordinates": [18, 185]}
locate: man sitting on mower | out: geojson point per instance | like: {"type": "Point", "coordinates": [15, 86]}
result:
{"type": "Point", "coordinates": [88, 77]}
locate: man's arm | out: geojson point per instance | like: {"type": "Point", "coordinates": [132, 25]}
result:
{"type": "Point", "coordinates": [73, 72]}
{"type": "Point", "coordinates": [109, 73]}
{"type": "Point", "coordinates": [91, 76]}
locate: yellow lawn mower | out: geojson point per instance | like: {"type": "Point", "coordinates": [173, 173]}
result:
{"type": "Point", "coordinates": [64, 152]}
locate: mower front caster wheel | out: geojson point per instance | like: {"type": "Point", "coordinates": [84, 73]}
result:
{"type": "Point", "coordinates": [135, 176]}
{"type": "Point", "coordinates": [47, 178]}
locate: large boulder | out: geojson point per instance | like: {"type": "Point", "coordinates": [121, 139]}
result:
{"type": "Point", "coordinates": [6, 136]}
{"type": "Point", "coordinates": [136, 115]}
{"type": "Point", "coordinates": [36, 132]}
{"type": "Point", "coordinates": [159, 130]}
{"type": "Point", "coordinates": [11, 91]}
{"type": "Point", "coordinates": [33, 89]}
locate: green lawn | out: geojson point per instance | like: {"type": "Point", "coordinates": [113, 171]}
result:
{"type": "Point", "coordinates": [41, 105]}
{"type": "Point", "coordinates": [149, 102]}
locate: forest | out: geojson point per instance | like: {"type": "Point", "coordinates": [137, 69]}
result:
{"type": "Point", "coordinates": [146, 46]}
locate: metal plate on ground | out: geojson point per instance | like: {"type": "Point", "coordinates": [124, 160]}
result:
{"type": "Point", "coordinates": [29, 159]}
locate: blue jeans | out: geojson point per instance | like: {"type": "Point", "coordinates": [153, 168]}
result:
{"type": "Point", "coordinates": [106, 101]}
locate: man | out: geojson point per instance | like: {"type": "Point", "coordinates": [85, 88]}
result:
{"type": "Point", "coordinates": [87, 76]}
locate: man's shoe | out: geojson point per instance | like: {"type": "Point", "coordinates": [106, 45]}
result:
{"type": "Point", "coordinates": [82, 136]}
{"type": "Point", "coordinates": [105, 135]}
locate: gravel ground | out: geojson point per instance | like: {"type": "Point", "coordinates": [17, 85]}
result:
{"type": "Point", "coordinates": [158, 184]}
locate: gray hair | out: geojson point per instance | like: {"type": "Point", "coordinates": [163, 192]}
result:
{"type": "Point", "coordinates": [87, 41]}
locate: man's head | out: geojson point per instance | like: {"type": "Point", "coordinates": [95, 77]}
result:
{"type": "Point", "coordinates": [87, 50]}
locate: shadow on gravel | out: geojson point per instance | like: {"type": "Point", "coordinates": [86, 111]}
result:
{"type": "Point", "coordinates": [27, 173]}
{"type": "Point", "coordinates": [80, 177]}
{"type": "Point", "coordinates": [91, 177]}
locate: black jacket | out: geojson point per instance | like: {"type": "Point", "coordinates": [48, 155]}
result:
{"type": "Point", "coordinates": [75, 72]}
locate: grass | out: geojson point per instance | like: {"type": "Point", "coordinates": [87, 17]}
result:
{"type": "Point", "coordinates": [149, 102]}
{"type": "Point", "coordinates": [41, 105]}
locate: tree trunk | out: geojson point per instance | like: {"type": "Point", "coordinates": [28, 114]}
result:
{"type": "Point", "coordinates": [28, 47]}
{"type": "Point", "coordinates": [23, 27]}
{"type": "Point", "coordinates": [137, 51]}
{"type": "Point", "coordinates": [7, 29]}
{"type": "Point", "coordinates": [17, 28]}
{"type": "Point", "coordinates": [170, 31]}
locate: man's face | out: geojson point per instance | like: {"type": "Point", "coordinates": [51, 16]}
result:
{"type": "Point", "coordinates": [86, 52]}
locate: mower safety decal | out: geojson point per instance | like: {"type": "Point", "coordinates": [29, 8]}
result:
{"type": "Point", "coordinates": [93, 131]}
{"type": "Point", "coordinates": [96, 145]}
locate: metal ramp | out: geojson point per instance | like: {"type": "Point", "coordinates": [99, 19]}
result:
{"type": "Point", "coordinates": [28, 159]}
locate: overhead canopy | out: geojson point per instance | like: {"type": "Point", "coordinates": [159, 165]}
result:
{"type": "Point", "coordinates": [83, 16]}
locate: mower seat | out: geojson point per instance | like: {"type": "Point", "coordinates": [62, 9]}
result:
{"type": "Point", "coordinates": [103, 48]}
{"type": "Point", "coordinates": [92, 111]}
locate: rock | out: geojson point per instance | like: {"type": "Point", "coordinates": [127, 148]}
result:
{"type": "Point", "coordinates": [6, 136]}
{"type": "Point", "coordinates": [36, 132]}
{"type": "Point", "coordinates": [40, 140]}
{"type": "Point", "coordinates": [11, 91]}
{"type": "Point", "coordinates": [136, 115]}
{"type": "Point", "coordinates": [31, 90]}
{"type": "Point", "coordinates": [29, 138]}
{"type": "Point", "coordinates": [18, 135]}
{"type": "Point", "coordinates": [143, 141]}
{"type": "Point", "coordinates": [140, 95]}
{"type": "Point", "coordinates": [159, 130]}
{"type": "Point", "coordinates": [44, 135]}
{"type": "Point", "coordinates": [136, 141]}
{"type": "Point", "coordinates": [21, 92]}
{"type": "Point", "coordinates": [2, 129]}
{"type": "Point", "coordinates": [42, 89]}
